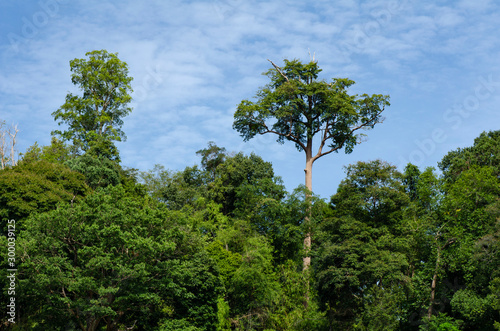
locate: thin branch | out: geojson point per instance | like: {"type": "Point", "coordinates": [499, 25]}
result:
{"type": "Point", "coordinates": [279, 70]}
{"type": "Point", "coordinates": [289, 135]}
{"type": "Point", "coordinates": [319, 154]}
{"type": "Point", "coordinates": [323, 141]}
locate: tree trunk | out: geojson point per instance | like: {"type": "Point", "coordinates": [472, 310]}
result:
{"type": "Point", "coordinates": [434, 278]}
{"type": "Point", "coordinates": [92, 323]}
{"type": "Point", "coordinates": [307, 220]}
{"type": "Point", "coordinates": [3, 144]}
{"type": "Point", "coordinates": [307, 239]}
{"type": "Point", "coordinates": [13, 133]}
{"type": "Point", "coordinates": [434, 283]}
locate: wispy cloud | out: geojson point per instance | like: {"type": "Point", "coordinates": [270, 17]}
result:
{"type": "Point", "coordinates": [194, 61]}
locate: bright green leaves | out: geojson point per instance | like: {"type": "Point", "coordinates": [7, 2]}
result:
{"type": "Point", "coordinates": [472, 202]}
{"type": "Point", "coordinates": [296, 106]}
{"type": "Point", "coordinates": [115, 260]}
{"type": "Point", "coordinates": [373, 192]}
{"type": "Point", "coordinates": [94, 119]}
{"type": "Point", "coordinates": [37, 187]}
{"type": "Point", "coordinates": [484, 152]}
{"type": "Point", "coordinates": [243, 184]}
{"type": "Point", "coordinates": [361, 257]}
{"type": "Point", "coordinates": [98, 171]}
{"type": "Point", "coordinates": [253, 285]}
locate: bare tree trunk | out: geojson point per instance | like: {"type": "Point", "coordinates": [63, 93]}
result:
{"type": "Point", "coordinates": [307, 239]}
{"type": "Point", "coordinates": [307, 220]}
{"type": "Point", "coordinates": [434, 283]}
{"type": "Point", "coordinates": [3, 143]}
{"type": "Point", "coordinates": [13, 133]}
{"type": "Point", "coordinates": [436, 270]}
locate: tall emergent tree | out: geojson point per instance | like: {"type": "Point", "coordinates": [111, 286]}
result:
{"type": "Point", "coordinates": [94, 120]}
{"type": "Point", "coordinates": [296, 106]}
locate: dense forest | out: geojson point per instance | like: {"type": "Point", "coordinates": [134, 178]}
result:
{"type": "Point", "coordinates": [222, 245]}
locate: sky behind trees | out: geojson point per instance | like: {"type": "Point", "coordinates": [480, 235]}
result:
{"type": "Point", "coordinates": [194, 61]}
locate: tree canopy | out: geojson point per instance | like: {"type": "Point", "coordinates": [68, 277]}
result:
{"type": "Point", "coordinates": [95, 119]}
{"type": "Point", "coordinates": [219, 245]}
{"type": "Point", "coordinates": [297, 106]}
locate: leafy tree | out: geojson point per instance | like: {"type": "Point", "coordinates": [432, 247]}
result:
{"type": "Point", "coordinates": [361, 257]}
{"type": "Point", "coordinates": [453, 222]}
{"type": "Point", "coordinates": [56, 152]}
{"type": "Point", "coordinates": [32, 154]}
{"type": "Point", "coordinates": [469, 201]}
{"type": "Point", "coordinates": [94, 119]}
{"type": "Point", "coordinates": [441, 322]}
{"type": "Point", "coordinates": [242, 182]}
{"type": "Point", "coordinates": [428, 240]}
{"type": "Point", "coordinates": [175, 189]}
{"type": "Point", "coordinates": [472, 210]}
{"type": "Point", "coordinates": [289, 312]}
{"type": "Point", "coordinates": [118, 262]}
{"type": "Point", "coordinates": [253, 286]}
{"type": "Point", "coordinates": [411, 176]}
{"type": "Point", "coordinates": [98, 170]}
{"type": "Point", "coordinates": [296, 106]}
{"type": "Point", "coordinates": [372, 193]}
{"type": "Point", "coordinates": [37, 187]}
{"type": "Point", "coordinates": [484, 152]}
{"type": "Point", "coordinates": [211, 157]}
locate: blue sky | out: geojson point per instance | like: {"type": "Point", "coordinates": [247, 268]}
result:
{"type": "Point", "coordinates": [194, 61]}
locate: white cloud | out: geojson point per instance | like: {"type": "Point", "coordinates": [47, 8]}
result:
{"type": "Point", "coordinates": [194, 61]}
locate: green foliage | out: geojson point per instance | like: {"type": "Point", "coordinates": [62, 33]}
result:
{"type": "Point", "coordinates": [372, 193]}
{"type": "Point", "coordinates": [300, 106]}
{"type": "Point", "coordinates": [289, 312]}
{"type": "Point", "coordinates": [470, 305]}
{"type": "Point", "coordinates": [112, 260]}
{"type": "Point", "coordinates": [243, 183]}
{"type": "Point", "coordinates": [32, 154]}
{"type": "Point", "coordinates": [37, 187]}
{"type": "Point", "coordinates": [410, 180]}
{"type": "Point", "coordinates": [495, 300]}
{"type": "Point", "coordinates": [253, 286]}
{"type": "Point", "coordinates": [220, 246]}
{"type": "Point", "coordinates": [382, 309]}
{"type": "Point", "coordinates": [98, 171]}
{"type": "Point", "coordinates": [484, 152]}
{"type": "Point", "coordinates": [441, 322]}
{"type": "Point", "coordinates": [223, 315]}
{"type": "Point", "coordinates": [178, 325]}
{"type": "Point", "coordinates": [211, 157]}
{"type": "Point", "coordinates": [94, 120]}
{"type": "Point", "coordinates": [361, 258]}
{"type": "Point", "coordinates": [470, 200]}
{"type": "Point", "coordinates": [175, 189]}
{"type": "Point", "coordinates": [56, 152]}
{"type": "Point", "coordinates": [227, 261]}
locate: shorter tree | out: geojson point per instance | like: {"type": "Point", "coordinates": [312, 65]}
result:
{"type": "Point", "coordinates": [116, 262]}
{"type": "Point", "coordinates": [56, 152]}
{"type": "Point", "coordinates": [37, 187]}
{"type": "Point", "coordinates": [361, 257]}
{"type": "Point", "coordinates": [94, 120]}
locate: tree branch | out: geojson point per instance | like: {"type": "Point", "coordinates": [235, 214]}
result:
{"type": "Point", "coordinates": [325, 138]}
{"type": "Point", "coordinates": [279, 70]}
{"type": "Point", "coordinates": [288, 136]}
